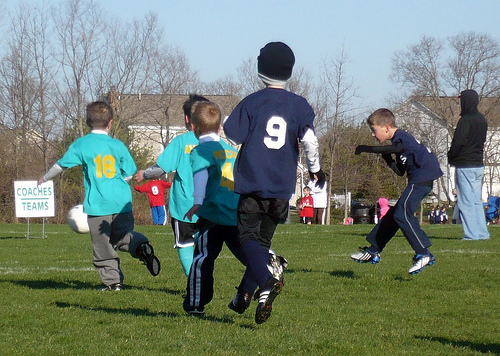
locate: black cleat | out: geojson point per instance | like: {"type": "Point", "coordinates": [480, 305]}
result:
{"type": "Point", "coordinates": [266, 299]}
{"type": "Point", "coordinates": [240, 302]}
{"type": "Point", "coordinates": [146, 254]}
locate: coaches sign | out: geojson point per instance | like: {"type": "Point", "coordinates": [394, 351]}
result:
{"type": "Point", "coordinates": [34, 201]}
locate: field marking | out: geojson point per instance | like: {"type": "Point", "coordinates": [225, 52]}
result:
{"type": "Point", "coordinates": [42, 270]}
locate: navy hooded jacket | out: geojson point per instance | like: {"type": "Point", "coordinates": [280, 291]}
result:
{"type": "Point", "coordinates": [467, 146]}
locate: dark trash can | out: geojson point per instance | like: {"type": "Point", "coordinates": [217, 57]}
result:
{"type": "Point", "coordinates": [362, 214]}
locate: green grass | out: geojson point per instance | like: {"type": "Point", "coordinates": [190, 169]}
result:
{"type": "Point", "coordinates": [49, 303]}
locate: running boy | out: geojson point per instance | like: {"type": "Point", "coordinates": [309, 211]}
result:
{"type": "Point", "coordinates": [268, 125]}
{"type": "Point", "coordinates": [422, 168]}
{"type": "Point", "coordinates": [175, 157]}
{"type": "Point", "coordinates": [107, 166]}
{"type": "Point", "coordinates": [215, 203]}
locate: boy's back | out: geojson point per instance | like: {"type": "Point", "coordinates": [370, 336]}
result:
{"type": "Point", "coordinates": [106, 162]}
{"type": "Point", "coordinates": [175, 157]}
{"type": "Point", "coordinates": [267, 124]}
{"type": "Point", "coordinates": [220, 203]}
{"type": "Point", "coordinates": [421, 164]}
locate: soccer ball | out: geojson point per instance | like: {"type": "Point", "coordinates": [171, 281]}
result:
{"type": "Point", "coordinates": [77, 220]}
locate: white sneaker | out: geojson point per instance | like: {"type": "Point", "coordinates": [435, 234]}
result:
{"type": "Point", "coordinates": [365, 256]}
{"type": "Point", "coordinates": [420, 262]}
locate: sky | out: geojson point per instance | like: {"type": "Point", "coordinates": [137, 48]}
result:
{"type": "Point", "coordinates": [217, 36]}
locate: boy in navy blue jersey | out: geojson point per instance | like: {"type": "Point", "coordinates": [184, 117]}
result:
{"type": "Point", "coordinates": [268, 124]}
{"type": "Point", "coordinates": [215, 204]}
{"type": "Point", "coordinates": [422, 168]}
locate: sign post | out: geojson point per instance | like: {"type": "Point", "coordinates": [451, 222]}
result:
{"type": "Point", "coordinates": [34, 201]}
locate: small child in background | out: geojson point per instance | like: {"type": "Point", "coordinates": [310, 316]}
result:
{"type": "Point", "coordinates": [306, 207]}
{"type": "Point", "coordinates": [443, 215]}
{"type": "Point", "coordinates": [431, 215]}
{"type": "Point", "coordinates": [156, 195]}
{"type": "Point", "coordinates": [107, 168]}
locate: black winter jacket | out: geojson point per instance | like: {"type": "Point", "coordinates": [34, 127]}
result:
{"type": "Point", "coordinates": [467, 146]}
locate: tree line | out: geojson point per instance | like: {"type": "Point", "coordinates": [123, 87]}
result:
{"type": "Point", "coordinates": [53, 61]}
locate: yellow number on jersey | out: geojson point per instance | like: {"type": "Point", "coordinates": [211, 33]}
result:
{"type": "Point", "coordinates": [227, 179]}
{"type": "Point", "coordinates": [105, 166]}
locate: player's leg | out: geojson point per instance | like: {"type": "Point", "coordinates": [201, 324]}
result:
{"type": "Point", "coordinates": [275, 211]}
{"type": "Point", "coordinates": [200, 283]}
{"type": "Point", "coordinates": [184, 242]}
{"type": "Point", "coordinates": [124, 238]}
{"type": "Point", "coordinates": [161, 215]}
{"type": "Point", "coordinates": [378, 238]}
{"type": "Point", "coordinates": [154, 215]}
{"type": "Point", "coordinates": [404, 216]}
{"type": "Point", "coordinates": [105, 258]}
{"type": "Point", "coordinates": [247, 286]}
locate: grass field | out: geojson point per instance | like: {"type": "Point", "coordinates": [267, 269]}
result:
{"type": "Point", "coordinates": [50, 305]}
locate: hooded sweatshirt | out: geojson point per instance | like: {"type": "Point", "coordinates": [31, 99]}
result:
{"type": "Point", "coordinates": [467, 146]}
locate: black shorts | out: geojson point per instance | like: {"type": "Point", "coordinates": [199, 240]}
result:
{"type": "Point", "coordinates": [183, 233]}
{"type": "Point", "coordinates": [258, 218]}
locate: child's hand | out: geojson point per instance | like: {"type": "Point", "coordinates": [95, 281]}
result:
{"type": "Point", "coordinates": [192, 212]}
{"type": "Point", "coordinates": [40, 181]}
{"type": "Point", "coordinates": [360, 149]}
{"type": "Point", "coordinates": [139, 176]}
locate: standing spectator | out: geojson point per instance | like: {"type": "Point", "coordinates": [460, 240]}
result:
{"type": "Point", "coordinates": [156, 195]}
{"type": "Point", "coordinates": [455, 217]}
{"type": "Point", "coordinates": [306, 207]}
{"type": "Point", "coordinates": [320, 197]}
{"type": "Point", "coordinates": [466, 154]}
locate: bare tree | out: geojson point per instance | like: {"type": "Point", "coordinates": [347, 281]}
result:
{"type": "Point", "coordinates": [338, 91]}
{"type": "Point", "coordinates": [248, 78]}
{"type": "Point", "coordinates": [80, 31]}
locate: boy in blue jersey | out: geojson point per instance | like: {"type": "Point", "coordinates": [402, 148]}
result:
{"type": "Point", "coordinates": [175, 157]}
{"type": "Point", "coordinates": [268, 124]}
{"type": "Point", "coordinates": [107, 168]}
{"type": "Point", "coordinates": [215, 204]}
{"type": "Point", "coordinates": [422, 168]}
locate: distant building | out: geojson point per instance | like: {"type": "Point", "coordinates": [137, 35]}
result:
{"type": "Point", "coordinates": [155, 119]}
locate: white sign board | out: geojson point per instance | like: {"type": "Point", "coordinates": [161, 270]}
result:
{"type": "Point", "coordinates": [34, 201]}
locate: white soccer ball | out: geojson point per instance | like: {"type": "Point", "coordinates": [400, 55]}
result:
{"type": "Point", "coordinates": [77, 220]}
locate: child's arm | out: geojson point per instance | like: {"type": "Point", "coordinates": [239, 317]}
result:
{"type": "Point", "coordinates": [386, 152]}
{"type": "Point", "coordinates": [150, 173]}
{"type": "Point", "coordinates": [52, 173]}
{"type": "Point", "coordinates": [200, 179]}
{"type": "Point", "coordinates": [388, 149]}
{"type": "Point", "coordinates": [311, 149]}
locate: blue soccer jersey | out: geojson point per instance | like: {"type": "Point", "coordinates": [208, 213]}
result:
{"type": "Point", "coordinates": [267, 124]}
{"type": "Point", "coordinates": [220, 202]}
{"type": "Point", "coordinates": [106, 162]}
{"type": "Point", "coordinates": [175, 157]}
{"type": "Point", "coordinates": [420, 163]}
